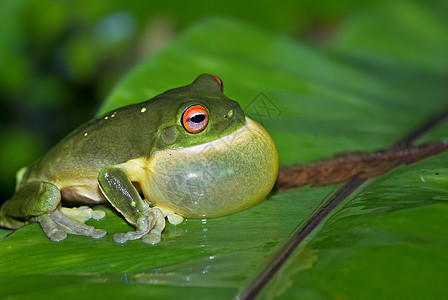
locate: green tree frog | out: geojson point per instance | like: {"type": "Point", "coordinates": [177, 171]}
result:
{"type": "Point", "coordinates": [188, 152]}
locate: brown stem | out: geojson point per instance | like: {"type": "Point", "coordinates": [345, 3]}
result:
{"type": "Point", "coordinates": [364, 165]}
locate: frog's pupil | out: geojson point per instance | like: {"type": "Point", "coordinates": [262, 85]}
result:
{"type": "Point", "coordinates": [197, 118]}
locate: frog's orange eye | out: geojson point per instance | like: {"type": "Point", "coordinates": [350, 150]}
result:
{"type": "Point", "coordinates": [219, 82]}
{"type": "Point", "coordinates": [194, 118]}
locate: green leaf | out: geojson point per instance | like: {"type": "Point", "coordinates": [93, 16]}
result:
{"type": "Point", "coordinates": [197, 253]}
{"type": "Point", "coordinates": [402, 35]}
{"type": "Point", "coordinates": [386, 242]}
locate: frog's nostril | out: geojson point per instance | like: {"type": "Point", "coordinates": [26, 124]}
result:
{"type": "Point", "coordinates": [229, 114]}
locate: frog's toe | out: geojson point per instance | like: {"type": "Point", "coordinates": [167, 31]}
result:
{"type": "Point", "coordinates": [57, 235]}
{"type": "Point", "coordinates": [57, 224]}
{"type": "Point", "coordinates": [172, 217]}
{"type": "Point", "coordinates": [149, 227]}
{"type": "Point", "coordinates": [149, 237]}
{"type": "Point", "coordinates": [82, 213]}
{"type": "Point", "coordinates": [51, 228]}
{"type": "Point", "coordinates": [154, 237]}
{"type": "Point", "coordinates": [98, 233]}
{"type": "Point", "coordinates": [98, 214]}
{"type": "Point", "coordinates": [143, 225]}
{"type": "Point", "coordinates": [121, 237]}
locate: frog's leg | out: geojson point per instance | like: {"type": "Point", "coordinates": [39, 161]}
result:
{"type": "Point", "coordinates": [39, 201]}
{"type": "Point", "coordinates": [121, 193]}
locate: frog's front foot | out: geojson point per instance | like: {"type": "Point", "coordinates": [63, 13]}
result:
{"type": "Point", "coordinates": [149, 227]}
{"type": "Point", "coordinates": [122, 194]}
{"type": "Point", "coordinates": [63, 220]}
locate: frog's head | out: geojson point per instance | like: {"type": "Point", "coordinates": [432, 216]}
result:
{"type": "Point", "coordinates": [211, 159]}
{"type": "Point", "coordinates": [196, 114]}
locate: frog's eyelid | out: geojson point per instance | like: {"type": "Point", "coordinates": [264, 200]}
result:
{"type": "Point", "coordinates": [221, 84]}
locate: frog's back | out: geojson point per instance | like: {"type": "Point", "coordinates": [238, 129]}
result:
{"type": "Point", "coordinates": [111, 139]}
{"type": "Point", "coordinates": [131, 132]}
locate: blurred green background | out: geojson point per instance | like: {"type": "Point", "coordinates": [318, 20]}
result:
{"type": "Point", "coordinates": [346, 75]}
{"type": "Point", "coordinates": [60, 59]}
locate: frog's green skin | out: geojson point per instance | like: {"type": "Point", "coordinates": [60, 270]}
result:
{"type": "Point", "coordinates": [144, 149]}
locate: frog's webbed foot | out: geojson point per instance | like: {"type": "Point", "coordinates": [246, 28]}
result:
{"type": "Point", "coordinates": [122, 194]}
{"type": "Point", "coordinates": [63, 220]}
{"type": "Point", "coordinates": [149, 227]}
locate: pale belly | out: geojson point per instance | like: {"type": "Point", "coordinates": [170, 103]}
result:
{"type": "Point", "coordinates": [79, 186]}
{"type": "Point", "coordinates": [83, 193]}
